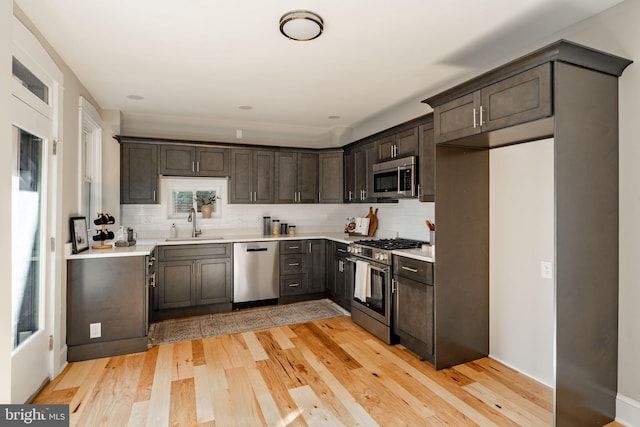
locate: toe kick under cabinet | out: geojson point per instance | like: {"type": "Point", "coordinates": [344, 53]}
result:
{"type": "Point", "coordinates": [106, 307]}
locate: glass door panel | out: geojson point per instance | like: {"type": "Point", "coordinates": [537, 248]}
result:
{"type": "Point", "coordinates": [27, 259]}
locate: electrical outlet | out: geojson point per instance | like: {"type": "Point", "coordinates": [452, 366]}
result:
{"type": "Point", "coordinates": [95, 330]}
{"type": "Point", "coordinates": [546, 270]}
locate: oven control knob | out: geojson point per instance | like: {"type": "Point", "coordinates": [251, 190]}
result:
{"type": "Point", "coordinates": [383, 257]}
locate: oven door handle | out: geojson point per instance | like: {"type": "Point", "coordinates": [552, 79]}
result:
{"type": "Point", "coordinates": [382, 270]}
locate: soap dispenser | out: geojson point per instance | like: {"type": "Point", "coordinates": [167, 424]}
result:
{"type": "Point", "coordinates": [173, 233]}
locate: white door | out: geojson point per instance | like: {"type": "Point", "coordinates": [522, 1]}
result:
{"type": "Point", "coordinates": [32, 203]}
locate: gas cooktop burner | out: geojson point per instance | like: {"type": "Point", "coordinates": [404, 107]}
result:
{"type": "Point", "coordinates": [390, 244]}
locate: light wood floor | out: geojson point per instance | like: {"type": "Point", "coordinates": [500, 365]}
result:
{"type": "Point", "coordinates": [328, 372]}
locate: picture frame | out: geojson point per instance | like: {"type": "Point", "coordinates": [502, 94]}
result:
{"type": "Point", "coordinates": [79, 234]}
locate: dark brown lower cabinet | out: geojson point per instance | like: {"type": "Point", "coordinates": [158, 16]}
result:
{"type": "Point", "coordinates": [302, 269]}
{"type": "Point", "coordinates": [413, 305]}
{"type": "Point", "coordinates": [339, 274]}
{"type": "Point", "coordinates": [193, 279]}
{"type": "Point", "coordinates": [106, 307]}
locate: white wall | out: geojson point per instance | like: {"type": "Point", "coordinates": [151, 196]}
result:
{"type": "Point", "coordinates": [112, 120]}
{"type": "Point", "coordinates": [521, 221]}
{"type": "Point", "coordinates": [5, 193]}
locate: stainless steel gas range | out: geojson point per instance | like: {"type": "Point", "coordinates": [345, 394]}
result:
{"type": "Point", "coordinates": [371, 307]}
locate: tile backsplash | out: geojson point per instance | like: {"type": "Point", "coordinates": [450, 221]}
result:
{"type": "Point", "coordinates": [403, 219]}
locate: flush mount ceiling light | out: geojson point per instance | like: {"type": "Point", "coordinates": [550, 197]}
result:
{"type": "Point", "coordinates": [301, 25]}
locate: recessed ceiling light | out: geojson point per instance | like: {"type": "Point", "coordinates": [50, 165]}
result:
{"type": "Point", "coordinates": [334, 117]}
{"type": "Point", "coordinates": [135, 97]}
{"type": "Point", "coordinates": [301, 25]}
{"type": "Point", "coordinates": [245, 107]}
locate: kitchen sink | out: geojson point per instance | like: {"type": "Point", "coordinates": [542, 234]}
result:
{"type": "Point", "coordinates": [191, 239]}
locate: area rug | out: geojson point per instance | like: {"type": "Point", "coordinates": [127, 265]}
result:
{"type": "Point", "coordinates": [172, 331]}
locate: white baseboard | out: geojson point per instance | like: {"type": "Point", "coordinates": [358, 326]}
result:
{"type": "Point", "coordinates": [627, 411]}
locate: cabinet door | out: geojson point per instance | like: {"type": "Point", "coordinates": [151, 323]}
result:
{"type": "Point", "coordinates": [427, 164]}
{"type": "Point", "coordinates": [317, 263]}
{"type": "Point", "coordinates": [413, 315]}
{"type": "Point", "coordinates": [349, 191]}
{"type": "Point", "coordinates": [212, 162]}
{"type": "Point", "coordinates": [364, 158]}
{"type": "Point", "coordinates": [307, 177]}
{"type": "Point", "coordinates": [263, 177]}
{"type": "Point", "coordinates": [386, 147]}
{"type": "Point", "coordinates": [331, 267]}
{"type": "Point", "coordinates": [241, 182]}
{"type": "Point", "coordinates": [286, 177]}
{"type": "Point", "coordinates": [407, 143]}
{"type": "Point", "coordinates": [176, 284]}
{"type": "Point", "coordinates": [214, 281]}
{"type": "Point", "coordinates": [330, 180]}
{"type": "Point", "coordinates": [518, 99]}
{"type": "Point", "coordinates": [457, 118]}
{"type": "Point", "coordinates": [138, 173]}
{"type": "Point", "coordinates": [177, 160]}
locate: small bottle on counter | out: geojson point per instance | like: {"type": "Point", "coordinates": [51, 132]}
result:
{"type": "Point", "coordinates": [284, 228]}
{"type": "Point", "coordinates": [292, 230]}
{"type": "Point", "coordinates": [173, 232]}
{"type": "Point", "coordinates": [275, 227]}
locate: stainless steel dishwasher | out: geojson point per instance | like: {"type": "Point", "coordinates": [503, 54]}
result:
{"type": "Point", "coordinates": [256, 272]}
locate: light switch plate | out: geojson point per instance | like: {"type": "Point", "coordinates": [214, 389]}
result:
{"type": "Point", "coordinates": [95, 330]}
{"type": "Point", "coordinates": [546, 270]}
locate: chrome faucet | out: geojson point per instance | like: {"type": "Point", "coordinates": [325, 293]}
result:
{"type": "Point", "coordinates": [192, 218]}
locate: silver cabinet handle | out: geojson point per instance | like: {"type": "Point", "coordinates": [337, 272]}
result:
{"type": "Point", "coordinates": [481, 124]}
{"type": "Point", "coordinates": [394, 287]}
{"type": "Point", "coordinates": [197, 166]}
{"type": "Point", "coordinates": [413, 270]}
{"type": "Point", "coordinates": [350, 195]}
{"type": "Point", "coordinates": [474, 118]}
{"type": "Point", "coordinates": [294, 264]}
{"type": "Point", "coordinates": [293, 285]}
{"type": "Point", "coordinates": [154, 195]}
{"type": "Point", "coordinates": [293, 247]}
{"type": "Point", "coordinates": [309, 245]}
{"type": "Point", "coordinates": [193, 166]}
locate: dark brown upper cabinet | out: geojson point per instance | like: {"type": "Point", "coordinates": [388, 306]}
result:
{"type": "Point", "coordinates": [181, 160]}
{"type": "Point", "coordinates": [518, 99]}
{"type": "Point", "coordinates": [296, 177]}
{"type": "Point", "coordinates": [138, 173]}
{"type": "Point", "coordinates": [401, 144]}
{"type": "Point", "coordinates": [330, 177]}
{"type": "Point", "coordinates": [358, 164]}
{"type": "Point", "coordinates": [252, 176]}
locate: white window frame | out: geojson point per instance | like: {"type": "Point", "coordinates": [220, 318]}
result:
{"type": "Point", "coordinates": [90, 163]}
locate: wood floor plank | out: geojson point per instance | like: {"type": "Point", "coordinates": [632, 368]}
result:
{"type": "Point", "coordinates": [215, 369]}
{"type": "Point", "coordinates": [182, 411]}
{"type": "Point", "coordinates": [182, 361]}
{"type": "Point", "coordinates": [282, 335]}
{"type": "Point", "coordinates": [512, 398]}
{"type": "Point", "coordinates": [243, 402]}
{"type": "Point", "coordinates": [313, 410]}
{"type": "Point", "coordinates": [160, 401]}
{"type": "Point", "coordinates": [254, 346]}
{"type": "Point", "coordinates": [139, 411]}
{"type": "Point", "coordinates": [448, 396]}
{"type": "Point", "coordinates": [112, 399]}
{"type": "Point", "coordinates": [197, 351]}
{"type": "Point", "coordinates": [329, 372]}
{"type": "Point", "coordinates": [146, 376]}
{"type": "Point", "coordinates": [204, 406]}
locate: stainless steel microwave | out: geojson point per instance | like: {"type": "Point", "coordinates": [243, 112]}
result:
{"type": "Point", "coordinates": [396, 178]}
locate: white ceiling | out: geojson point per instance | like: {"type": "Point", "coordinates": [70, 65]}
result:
{"type": "Point", "coordinates": [196, 61]}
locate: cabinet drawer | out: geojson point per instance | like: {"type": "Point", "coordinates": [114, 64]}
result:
{"type": "Point", "coordinates": [293, 264]}
{"type": "Point", "coordinates": [179, 252]}
{"type": "Point", "coordinates": [293, 285]}
{"type": "Point", "coordinates": [413, 269]}
{"type": "Point", "coordinates": [293, 247]}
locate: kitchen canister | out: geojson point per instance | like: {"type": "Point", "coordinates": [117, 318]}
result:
{"type": "Point", "coordinates": [275, 227]}
{"type": "Point", "coordinates": [292, 230]}
{"type": "Point", "coordinates": [284, 227]}
{"type": "Point", "coordinates": [266, 225]}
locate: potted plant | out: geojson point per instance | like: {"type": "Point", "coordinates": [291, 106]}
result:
{"type": "Point", "coordinates": [205, 200]}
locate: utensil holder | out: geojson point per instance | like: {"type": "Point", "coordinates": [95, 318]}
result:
{"type": "Point", "coordinates": [432, 237]}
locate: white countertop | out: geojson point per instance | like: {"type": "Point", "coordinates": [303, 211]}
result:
{"type": "Point", "coordinates": [146, 246]}
{"type": "Point", "coordinates": [419, 254]}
